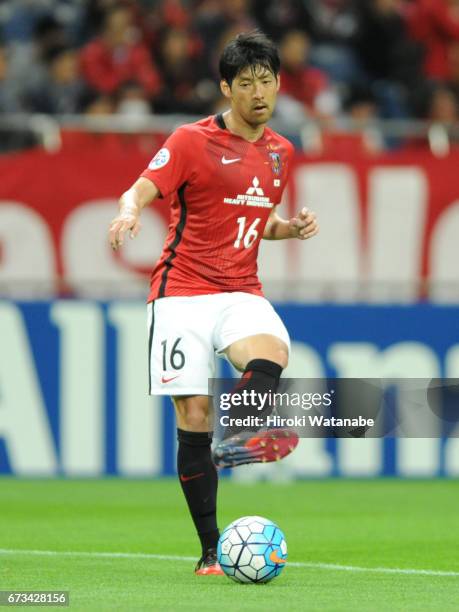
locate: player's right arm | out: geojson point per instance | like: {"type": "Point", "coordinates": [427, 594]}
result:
{"type": "Point", "coordinates": [171, 167]}
{"type": "Point", "coordinates": [142, 193]}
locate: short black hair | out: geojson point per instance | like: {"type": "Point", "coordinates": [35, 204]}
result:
{"type": "Point", "coordinates": [248, 50]}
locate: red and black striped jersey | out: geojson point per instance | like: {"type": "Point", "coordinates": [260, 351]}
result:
{"type": "Point", "coordinates": [223, 189]}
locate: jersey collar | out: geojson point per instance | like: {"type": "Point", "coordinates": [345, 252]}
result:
{"type": "Point", "coordinates": [221, 124]}
{"type": "Point", "coordinates": [220, 121]}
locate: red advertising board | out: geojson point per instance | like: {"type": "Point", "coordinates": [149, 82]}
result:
{"type": "Point", "coordinates": [389, 222]}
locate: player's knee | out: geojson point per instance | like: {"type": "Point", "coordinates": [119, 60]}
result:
{"type": "Point", "coordinates": [270, 348]}
{"type": "Point", "coordinates": [280, 355]}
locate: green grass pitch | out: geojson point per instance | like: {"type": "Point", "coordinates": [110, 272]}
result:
{"type": "Point", "coordinates": [349, 527]}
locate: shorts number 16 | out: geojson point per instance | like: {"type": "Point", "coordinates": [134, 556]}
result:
{"type": "Point", "coordinates": [176, 357]}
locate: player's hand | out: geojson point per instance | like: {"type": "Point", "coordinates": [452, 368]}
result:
{"type": "Point", "coordinates": [124, 222]}
{"type": "Point", "coordinates": [304, 225]}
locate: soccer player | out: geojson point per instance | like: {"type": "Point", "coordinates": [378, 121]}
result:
{"type": "Point", "coordinates": [225, 175]}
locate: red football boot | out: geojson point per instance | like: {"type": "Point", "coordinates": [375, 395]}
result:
{"type": "Point", "coordinates": [208, 564]}
{"type": "Point", "coordinates": [255, 447]}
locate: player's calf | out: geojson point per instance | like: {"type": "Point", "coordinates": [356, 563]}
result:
{"type": "Point", "coordinates": [199, 480]}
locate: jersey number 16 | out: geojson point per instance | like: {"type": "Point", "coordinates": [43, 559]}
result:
{"type": "Point", "coordinates": [246, 237]}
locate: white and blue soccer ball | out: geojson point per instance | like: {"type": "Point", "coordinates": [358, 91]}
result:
{"type": "Point", "coordinates": [252, 549]}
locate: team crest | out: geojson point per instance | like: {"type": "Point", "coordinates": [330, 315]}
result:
{"type": "Point", "coordinates": [275, 162]}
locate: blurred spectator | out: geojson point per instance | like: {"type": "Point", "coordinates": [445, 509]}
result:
{"type": "Point", "coordinates": [334, 25]}
{"type": "Point", "coordinates": [9, 94]}
{"type": "Point", "coordinates": [276, 18]}
{"type": "Point", "coordinates": [157, 16]}
{"type": "Point", "coordinates": [19, 18]}
{"type": "Point", "coordinates": [93, 18]}
{"type": "Point", "coordinates": [360, 104]}
{"type": "Point", "coordinates": [48, 33]}
{"type": "Point", "coordinates": [132, 101]}
{"type": "Point", "coordinates": [333, 21]}
{"type": "Point", "coordinates": [186, 88]}
{"type": "Point", "coordinates": [28, 60]}
{"type": "Point", "coordinates": [453, 69]}
{"type": "Point", "coordinates": [361, 107]}
{"type": "Point", "coordinates": [116, 56]}
{"type": "Point", "coordinates": [214, 18]}
{"type": "Point", "coordinates": [391, 61]}
{"type": "Point", "coordinates": [443, 113]}
{"type": "Point", "coordinates": [140, 55]}
{"type": "Point", "coordinates": [443, 106]}
{"type": "Point", "coordinates": [11, 101]}
{"type": "Point", "coordinates": [435, 24]}
{"type": "Point", "coordinates": [134, 104]}
{"type": "Point", "coordinates": [174, 14]}
{"type": "Point", "coordinates": [93, 103]}
{"type": "Point", "coordinates": [61, 89]}
{"type": "Point", "coordinates": [383, 43]}
{"type": "Point", "coordinates": [169, 15]}
{"type": "Point", "coordinates": [302, 84]}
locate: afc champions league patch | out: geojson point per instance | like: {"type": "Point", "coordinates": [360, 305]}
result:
{"type": "Point", "coordinates": [160, 159]}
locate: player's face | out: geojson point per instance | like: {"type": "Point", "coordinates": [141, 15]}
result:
{"type": "Point", "coordinates": [253, 94]}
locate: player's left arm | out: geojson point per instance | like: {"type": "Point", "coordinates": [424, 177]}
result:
{"type": "Point", "coordinates": [303, 226]}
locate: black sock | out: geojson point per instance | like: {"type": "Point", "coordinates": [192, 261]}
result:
{"type": "Point", "coordinates": [199, 481]}
{"type": "Point", "coordinates": [262, 377]}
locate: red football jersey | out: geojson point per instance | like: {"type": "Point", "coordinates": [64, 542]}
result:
{"type": "Point", "coordinates": [224, 189]}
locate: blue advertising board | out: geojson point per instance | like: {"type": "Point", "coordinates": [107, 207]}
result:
{"type": "Point", "coordinates": [73, 388]}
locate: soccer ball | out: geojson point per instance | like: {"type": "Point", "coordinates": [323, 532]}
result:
{"type": "Point", "coordinates": [252, 549]}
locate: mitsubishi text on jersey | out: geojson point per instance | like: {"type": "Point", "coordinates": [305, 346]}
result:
{"type": "Point", "coordinates": [223, 189]}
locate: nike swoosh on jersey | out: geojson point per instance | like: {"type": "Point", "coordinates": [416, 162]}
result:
{"type": "Point", "coordinates": [230, 161]}
{"type": "Point", "coordinates": [167, 380]}
{"type": "Point", "coordinates": [275, 558]}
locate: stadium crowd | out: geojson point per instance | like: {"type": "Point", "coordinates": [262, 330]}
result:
{"type": "Point", "coordinates": [357, 58]}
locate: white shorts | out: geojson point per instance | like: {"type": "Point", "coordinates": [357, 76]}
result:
{"type": "Point", "coordinates": [187, 333]}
